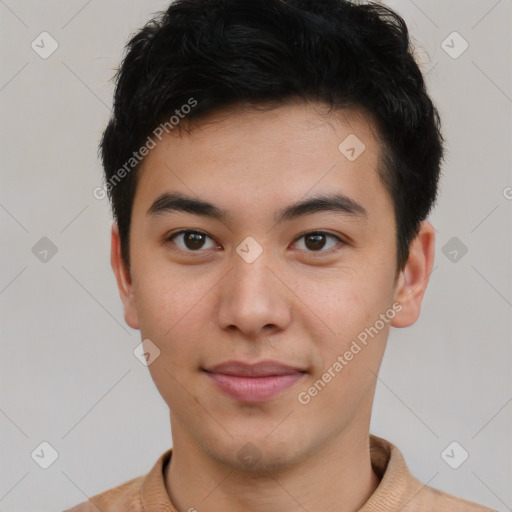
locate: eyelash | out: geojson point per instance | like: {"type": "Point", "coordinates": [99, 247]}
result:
{"type": "Point", "coordinates": [315, 232]}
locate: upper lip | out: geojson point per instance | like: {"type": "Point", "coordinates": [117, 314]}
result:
{"type": "Point", "coordinates": [259, 369]}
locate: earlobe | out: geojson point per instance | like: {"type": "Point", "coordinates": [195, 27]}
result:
{"type": "Point", "coordinates": [414, 278]}
{"type": "Point", "coordinates": [123, 279]}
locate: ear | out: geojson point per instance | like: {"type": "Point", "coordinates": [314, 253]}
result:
{"type": "Point", "coordinates": [124, 280]}
{"type": "Point", "coordinates": [414, 278]}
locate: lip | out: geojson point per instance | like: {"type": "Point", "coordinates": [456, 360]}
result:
{"type": "Point", "coordinates": [256, 382]}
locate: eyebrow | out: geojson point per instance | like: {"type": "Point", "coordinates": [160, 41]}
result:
{"type": "Point", "coordinates": [169, 202]}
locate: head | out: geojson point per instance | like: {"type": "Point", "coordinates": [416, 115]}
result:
{"type": "Point", "coordinates": [299, 132]}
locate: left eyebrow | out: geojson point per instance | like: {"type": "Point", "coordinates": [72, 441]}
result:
{"type": "Point", "coordinates": [340, 203]}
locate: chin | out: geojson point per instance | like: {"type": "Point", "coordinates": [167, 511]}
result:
{"type": "Point", "coordinates": [258, 453]}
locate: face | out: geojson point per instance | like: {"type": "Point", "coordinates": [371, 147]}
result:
{"type": "Point", "coordinates": [257, 238]}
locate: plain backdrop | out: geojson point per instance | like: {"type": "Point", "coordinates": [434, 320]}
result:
{"type": "Point", "coordinates": [68, 373]}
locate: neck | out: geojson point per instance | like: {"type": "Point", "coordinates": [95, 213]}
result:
{"type": "Point", "coordinates": [336, 477]}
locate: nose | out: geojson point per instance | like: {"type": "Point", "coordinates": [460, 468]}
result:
{"type": "Point", "coordinates": [254, 298]}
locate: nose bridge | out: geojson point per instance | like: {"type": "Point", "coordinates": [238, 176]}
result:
{"type": "Point", "coordinates": [252, 298]}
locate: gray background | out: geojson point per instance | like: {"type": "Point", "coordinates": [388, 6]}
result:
{"type": "Point", "coordinates": [68, 373]}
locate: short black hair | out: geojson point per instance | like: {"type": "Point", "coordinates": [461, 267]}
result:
{"type": "Point", "coordinates": [211, 54]}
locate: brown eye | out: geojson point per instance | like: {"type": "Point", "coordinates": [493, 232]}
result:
{"type": "Point", "coordinates": [318, 241]}
{"type": "Point", "coordinates": [315, 241]}
{"type": "Point", "coordinates": [191, 241]}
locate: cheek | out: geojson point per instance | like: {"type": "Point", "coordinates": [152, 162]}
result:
{"type": "Point", "coordinates": [349, 310]}
{"type": "Point", "coordinates": [350, 358]}
{"type": "Point", "coordinates": [165, 298]}
{"type": "Point", "coordinates": [345, 305]}
{"type": "Point", "coordinates": [172, 315]}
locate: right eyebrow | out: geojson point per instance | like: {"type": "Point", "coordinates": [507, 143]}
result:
{"type": "Point", "coordinates": [174, 201]}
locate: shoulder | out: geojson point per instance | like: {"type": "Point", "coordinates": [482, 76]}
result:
{"type": "Point", "coordinates": [439, 500]}
{"type": "Point", "coordinates": [146, 492]}
{"type": "Point", "coordinates": [400, 490]}
{"type": "Point", "coordinates": [123, 498]}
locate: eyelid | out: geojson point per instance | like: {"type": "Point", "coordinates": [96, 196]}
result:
{"type": "Point", "coordinates": [169, 236]}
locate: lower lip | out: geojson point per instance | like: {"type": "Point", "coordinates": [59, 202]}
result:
{"type": "Point", "coordinates": [254, 389]}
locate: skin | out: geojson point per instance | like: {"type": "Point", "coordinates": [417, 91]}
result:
{"type": "Point", "coordinates": [297, 303]}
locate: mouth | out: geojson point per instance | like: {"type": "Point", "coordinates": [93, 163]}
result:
{"type": "Point", "coordinates": [252, 383]}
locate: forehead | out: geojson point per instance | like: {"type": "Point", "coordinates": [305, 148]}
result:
{"type": "Point", "coordinates": [257, 157]}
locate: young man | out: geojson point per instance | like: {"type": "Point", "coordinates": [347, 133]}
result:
{"type": "Point", "coordinates": [271, 164]}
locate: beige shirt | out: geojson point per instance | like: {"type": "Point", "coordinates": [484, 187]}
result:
{"type": "Point", "coordinates": [398, 489]}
